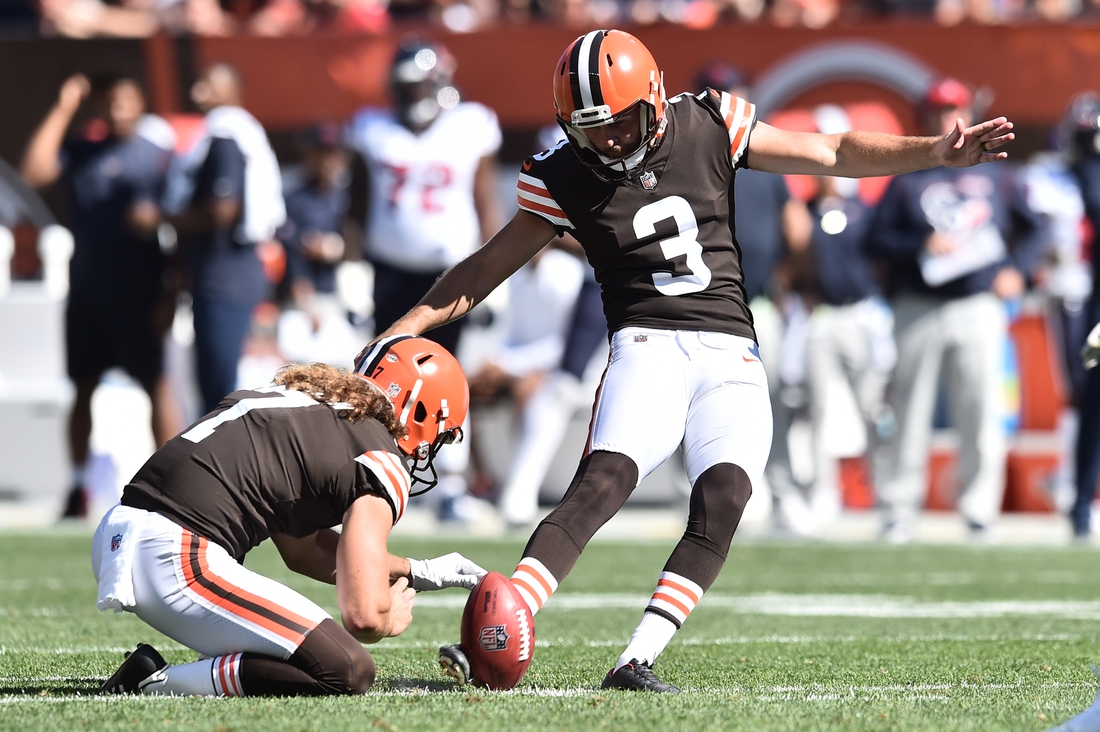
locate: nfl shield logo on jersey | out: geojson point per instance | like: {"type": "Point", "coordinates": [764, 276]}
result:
{"type": "Point", "coordinates": [649, 180]}
{"type": "Point", "coordinates": [116, 542]}
{"type": "Point", "coordinates": [493, 638]}
{"type": "Point", "coordinates": [393, 391]}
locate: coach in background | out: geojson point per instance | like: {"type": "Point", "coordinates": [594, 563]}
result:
{"type": "Point", "coordinates": [119, 306]}
{"type": "Point", "coordinates": [955, 244]}
{"type": "Point", "coordinates": [224, 196]}
{"type": "Point", "coordinates": [320, 447]}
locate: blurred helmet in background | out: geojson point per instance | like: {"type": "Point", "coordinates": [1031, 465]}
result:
{"type": "Point", "coordinates": [421, 82]}
{"type": "Point", "coordinates": [1079, 130]}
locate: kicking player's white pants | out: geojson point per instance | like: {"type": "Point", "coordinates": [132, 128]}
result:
{"type": "Point", "coordinates": [193, 591]}
{"type": "Point", "coordinates": [663, 387]}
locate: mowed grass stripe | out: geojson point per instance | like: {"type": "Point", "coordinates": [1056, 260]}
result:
{"type": "Point", "coordinates": [832, 605]}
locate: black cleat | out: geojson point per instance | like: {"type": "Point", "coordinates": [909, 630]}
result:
{"type": "Point", "coordinates": [136, 671]}
{"type": "Point", "coordinates": [453, 661]}
{"type": "Point", "coordinates": [637, 676]}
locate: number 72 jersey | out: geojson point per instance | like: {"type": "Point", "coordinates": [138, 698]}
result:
{"type": "Point", "coordinates": [422, 216]}
{"type": "Point", "coordinates": [662, 242]}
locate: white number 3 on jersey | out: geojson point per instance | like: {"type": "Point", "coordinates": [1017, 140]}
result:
{"type": "Point", "coordinates": [684, 244]}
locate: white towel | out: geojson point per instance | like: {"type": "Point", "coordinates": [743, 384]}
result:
{"type": "Point", "coordinates": [264, 210]}
{"type": "Point", "coordinates": [113, 548]}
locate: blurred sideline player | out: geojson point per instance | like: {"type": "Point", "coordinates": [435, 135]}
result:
{"type": "Point", "coordinates": [1086, 169]}
{"type": "Point", "coordinates": [432, 200]}
{"type": "Point", "coordinates": [644, 185]}
{"type": "Point", "coordinates": [225, 198]}
{"type": "Point", "coordinates": [1089, 720]}
{"type": "Point", "coordinates": [769, 223]}
{"type": "Point", "coordinates": [547, 414]}
{"type": "Point", "coordinates": [285, 462]}
{"type": "Point", "coordinates": [847, 351]}
{"type": "Point", "coordinates": [118, 308]}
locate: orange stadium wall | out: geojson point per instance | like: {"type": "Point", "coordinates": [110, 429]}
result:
{"type": "Point", "coordinates": [1030, 70]}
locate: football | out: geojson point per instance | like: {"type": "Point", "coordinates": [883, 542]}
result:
{"type": "Point", "coordinates": [498, 633]}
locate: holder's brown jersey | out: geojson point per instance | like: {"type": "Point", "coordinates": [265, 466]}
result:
{"type": "Point", "coordinates": [269, 461]}
{"type": "Point", "coordinates": [661, 242]}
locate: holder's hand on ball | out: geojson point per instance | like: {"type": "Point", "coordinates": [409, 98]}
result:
{"type": "Point", "coordinates": [450, 570]}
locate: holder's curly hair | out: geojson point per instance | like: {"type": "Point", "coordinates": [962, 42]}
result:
{"type": "Point", "coordinates": [327, 383]}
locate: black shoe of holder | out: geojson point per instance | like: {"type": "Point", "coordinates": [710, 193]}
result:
{"type": "Point", "coordinates": [136, 669]}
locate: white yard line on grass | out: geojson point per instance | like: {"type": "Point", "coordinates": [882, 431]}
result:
{"type": "Point", "coordinates": [865, 606]}
{"type": "Point", "coordinates": [812, 692]}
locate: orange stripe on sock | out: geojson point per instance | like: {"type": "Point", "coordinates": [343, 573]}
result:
{"type": "Point", "coordinates": [530, 590]}
{"type": "Point", "coordinates": [680, 587]}
{"type": "Point", "coordinates": [672, 601]}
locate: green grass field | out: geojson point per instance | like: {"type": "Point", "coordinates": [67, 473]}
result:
{"type": "Point", "coordinates": [791, 637]}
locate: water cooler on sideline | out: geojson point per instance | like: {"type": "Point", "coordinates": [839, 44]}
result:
{"type": "Point", "coordinates": [35, 393]}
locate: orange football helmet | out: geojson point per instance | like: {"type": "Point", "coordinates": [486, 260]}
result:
{"type": "Point", "coordinates": [429, 393]}
{"type": "Point", "coordinates": [601, 77]}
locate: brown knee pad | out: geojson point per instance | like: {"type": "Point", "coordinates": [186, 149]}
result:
{"type": "Point", "coordinates": [329, 661]}
{"type": "Point", "coordinates": [718, 499]}
{"type": "Point", "coordinates": [603, 482]}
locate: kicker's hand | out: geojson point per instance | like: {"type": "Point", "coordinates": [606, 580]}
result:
{"type": "Point", "coordinates": [450, 570]}
{"type": "Point", "coordinates": [966, 146]}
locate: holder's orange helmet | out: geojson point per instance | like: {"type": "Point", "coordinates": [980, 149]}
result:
{"type": "Point", "coordinates": [429, 393]}
{"type": "Point", "coordinates": [601, 77]}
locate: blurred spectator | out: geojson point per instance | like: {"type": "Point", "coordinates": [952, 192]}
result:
{"type": "Point", "coordinates": [89, 18]}
{"type": "Point", "coordinates": [849, 349]}
{"type": "Point", "coordinates": [225, 195]}
{"type": "Point", "coordinates": [768, 221]}
{"type": "Point", "coordinates": [547, 411]}
{"type": "Point", "coordinates": [313, 232]}
{"type": "Point", "coordinates": [298, 17]}
{"type": "Point", "coordinates": [119, 307]}
{"type": "Point", "coordinates": [316, 328]}
{"type": "Point", "coordinates": [1083, 144]}
{"type": "Point", "coordinates": [1064, 276]}
{"type": "Point", "coordinates": [432, 181]}
{"type": "Point", "coordinates": [956, 243]}
{"type": "Point", "coordinates": [541, 299]}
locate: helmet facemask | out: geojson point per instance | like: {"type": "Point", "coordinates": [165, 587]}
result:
{"type": "Point", "coordinates": [422, 460]}
{"type": "Point", "coordinates": [650, 133]}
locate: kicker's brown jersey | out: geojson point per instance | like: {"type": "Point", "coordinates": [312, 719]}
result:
{"type": "Point", "coordinates": [662, 242]}
{"type": "Point", "coordinates": [269, 461]}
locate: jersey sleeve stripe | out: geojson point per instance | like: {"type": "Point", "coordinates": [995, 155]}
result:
{"type": "Point", "coordinates": [395, 482]}
{"type": "Point", "coordinates": [744, 116]}
{"type": "Point", "coordinates": [404, 483]}
{"type": "Point", "coordinates": [551, 215]}
{"type": "Point", "coordinates": [532, 185]}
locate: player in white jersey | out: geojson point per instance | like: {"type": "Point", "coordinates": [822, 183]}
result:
{"type": "Point", "coordinates": [431, 164]}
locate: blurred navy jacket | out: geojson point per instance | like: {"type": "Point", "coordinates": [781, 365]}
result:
{"type": "Point", "coordinates": [985, 195]}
